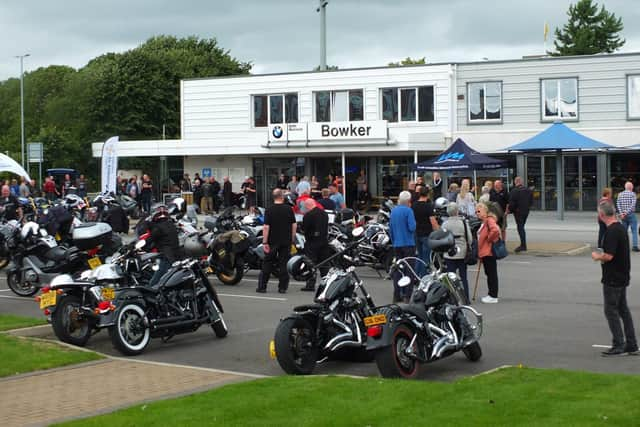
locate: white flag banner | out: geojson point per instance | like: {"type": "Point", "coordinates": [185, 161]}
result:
{"type": "Point", "coordinates": [7, 164]}
{"type": "Point", "coordinates": [110, 165]}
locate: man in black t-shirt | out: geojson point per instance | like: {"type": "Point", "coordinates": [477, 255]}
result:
{"type": "Point", "coordinates": [277, 237]}
{"type": "Point", "coordinates": [425, 223]}
{"type": "Point", "coordinates": [499, 195]}
{"type": "Point", "coordinates": [616, 265]}
{"type": "Point", "coordinates": [316, 234]}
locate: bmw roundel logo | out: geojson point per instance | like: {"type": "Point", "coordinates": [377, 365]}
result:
{"type": "Point", "coordinates": [277, 132]}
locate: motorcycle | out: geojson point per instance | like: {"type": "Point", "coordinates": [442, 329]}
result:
{"type": "Point", "coordinates": [333, 326]}
{"type": "Point", "coordinates": [180, 302]}
{"type": "Point", "coordinates": [37, 258]}
{"type": "Point", "coordinates": [74, 306]}
{"type": "Point", "coordinates": [435, 324]}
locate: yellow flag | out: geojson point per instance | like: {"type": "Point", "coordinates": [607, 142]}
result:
{"type": "Point", "coordinates": [546, 31]}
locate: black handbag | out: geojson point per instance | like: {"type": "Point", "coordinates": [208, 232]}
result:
{"type": "Point", "coordinates": [499, 249]}
{"type": "Point", "coordinates": [471, 257]}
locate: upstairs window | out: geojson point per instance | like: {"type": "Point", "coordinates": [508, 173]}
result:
{"type": "Point", "coordinates": [484, 102]}
{"type": "Point", "coordinates": [633, 97]}
{"type": "Point", "coordinates": [274, 109]}
{"type": "Point", "coordinates": [408, 104]}
{"type": "Point", "coordinates": [559, 99]}
{"type": "Point", "coordinates": [339, 106]}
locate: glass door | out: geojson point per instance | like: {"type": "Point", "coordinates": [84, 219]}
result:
{"type": "Point", "coordinates": [589, 190]}
{"type": "Point", "coordinates": [550, 184]}
{"type": "Point", "coordinates": [534, 180]}
{"type": "Point", "coordinates": [572, 183]}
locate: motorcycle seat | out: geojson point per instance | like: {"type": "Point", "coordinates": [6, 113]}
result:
{"type": "Point", "coordinates": [415, 309]}
{"type": "Point", "coordinates": [57, 254]}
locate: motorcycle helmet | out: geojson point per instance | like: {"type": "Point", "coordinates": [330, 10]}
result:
{"type": "Point", "coordinates": [73, 201]}
{"type": "Point", "coordinates": [300, 268]}
{"type": "Point", "coordinates": [441, 204]}
{"type": "Point", "coordinates": [380, 239]}
{"type": "Point", "coordinates": [29, 229]}
{"type": "Point", "coordinates": [159, 212]}
{"type": "Point", "coordinates": [441, 240]}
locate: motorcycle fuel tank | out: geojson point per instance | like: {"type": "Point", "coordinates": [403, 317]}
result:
{"type": "Point", "coordinates": [176, 278]}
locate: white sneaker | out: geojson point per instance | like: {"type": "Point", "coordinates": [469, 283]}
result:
{"type": "Point", "coordinates": [489, 300]}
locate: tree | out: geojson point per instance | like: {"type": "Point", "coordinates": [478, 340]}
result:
{"type": "Point", "coordinates": [588, 31]}
{"type": "Point", "coordinates": [408, 61]}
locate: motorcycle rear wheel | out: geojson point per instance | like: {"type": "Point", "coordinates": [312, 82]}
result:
{"type": "Point", "coordinates": [21, 289]}
{"type": "Point", "coordinates": [231, 279]}
{"type": "Point", "coordinates": [69, 324]}
{"type": "Point", "coordinates": [296, 352]}
{"type": "Point", "coordinates": [392, 361]}
{"type": "Point", "coordinates": [130, 335]}
{"type": "Point", "coordinates": [473, 351]}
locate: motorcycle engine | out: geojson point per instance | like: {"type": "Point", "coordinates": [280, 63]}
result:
{"type": "Point", "coordinates": [30, 276]}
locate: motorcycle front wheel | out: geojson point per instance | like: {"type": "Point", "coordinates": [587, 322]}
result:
{"type": "Point", "coordinates": [218, 324]}
{"type": "Point", "coordinates": [296, 351]}
{"type": "Point", "coordinates": [231, 278]}
{"type": "Point", "coordinates": [69, 324]}
{"type": "Point", "coordinates": [21, 289]}
{"type": "Point", "coordinates": [130, 335]}
{"type": "Point", "coordinates": [473, 351]}
{"type": "Point", "coordinates": [392, 361]}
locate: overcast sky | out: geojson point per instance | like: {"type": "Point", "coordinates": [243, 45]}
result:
{"type": "Point", "coordinates": [283, 35]}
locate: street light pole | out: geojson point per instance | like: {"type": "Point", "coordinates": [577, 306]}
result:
{"type": "Point", "coordinates": [322, 8]}
{"type": "Point", "coordinates": [22, 106]}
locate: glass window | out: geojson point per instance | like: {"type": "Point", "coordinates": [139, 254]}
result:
{"type": "Point", "coordinates": [485, 101]}
{"type": "Point", "coordinates": [425, 104]}
{"type": "Point", "coordinates": [633, 96]}
{"type": "Point", "coordinates": [356, 105]}
{"type": "Point", "coordinates": [260, 111]}
{"type": "Point", "coordinates": [560, 99]}
{"type": "Point", "coordinates": [276, 109]}
{"type": "Point", "coordinates": [340, 106]}
{"type": "Point", "coordinates": [291, 107]}
{"type": "Point", "coordinates": [323, 106]}
{"type": "Point", "coordinates": [408, 105]}
{"type": "Point", "coordinates": [390, 105]}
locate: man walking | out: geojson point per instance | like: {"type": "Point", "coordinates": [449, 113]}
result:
{"type": "Point", "coordinates": [627, 209]}
{"type": "Point", "coordinates": [402, 227]}
{"type": "Point", "coordinates": [499, 195]}
{"type": "Point", "coordinates": [277, 237]}
{"type": "Point", "coordinates": [315, 224]}
{"type": "Point", "coordinates": [425, 223]}
{"type": "Point", "coordinates": [616, 265]}
{"type": "Point", "coordinates": [520, 201]}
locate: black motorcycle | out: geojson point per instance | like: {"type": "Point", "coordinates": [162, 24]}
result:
{"type": "Point", "coordinates": [435, 324]}
{"type": "Point", "coordinates": [180, 302]}
{"type": "Point", "coordinates": [332, 327]}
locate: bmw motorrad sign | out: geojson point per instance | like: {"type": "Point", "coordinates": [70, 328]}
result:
{"type": "Point", "coordinates": [328, 131]}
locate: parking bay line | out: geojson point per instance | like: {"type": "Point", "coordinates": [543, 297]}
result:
{"type": "Point", "coordinates": [253, 297]}
{"type": "Point", "coordinates": [600, 346]}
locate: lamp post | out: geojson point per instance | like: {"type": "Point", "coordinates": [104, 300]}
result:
{"type": "Point", "coordinates": [22, 105]}
{"type": "Point", "coordinates": [322, 6]}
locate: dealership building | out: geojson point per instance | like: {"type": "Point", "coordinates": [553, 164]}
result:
{"type": "Point", "coordinates": [382, 120]}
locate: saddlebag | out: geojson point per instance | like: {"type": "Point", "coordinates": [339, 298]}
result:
{"type": "Point", "coordinates": [91, 234]}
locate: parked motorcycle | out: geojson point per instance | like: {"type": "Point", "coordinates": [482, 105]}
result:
{"type": "Point", "coordinates": [435, 324]}
{"type": "Point", "coordinates": [180, 302]}
{"type": "Point", "coordinates": [76, 307]}
{"type": "Point", "coordinates": [332, 326]}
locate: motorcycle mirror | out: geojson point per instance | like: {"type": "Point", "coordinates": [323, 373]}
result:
{"type": "Point", "coordinates": [357, 232]}
{"type": "Point", "coordinates": [404, 281]}
{"type": "Point", "coordinates": [140, 244]}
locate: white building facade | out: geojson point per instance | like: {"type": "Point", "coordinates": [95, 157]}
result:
{"type": "Point", "coordinates": [381, 120]}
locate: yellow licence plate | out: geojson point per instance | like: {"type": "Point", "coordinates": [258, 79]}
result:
{"type": "Point", "coordinates": [48, 299]}
{"type": "Point", "coordinates": [378, 319]}
{"type": "Point", "coordinates": [108, 294]}
{"type": "Point", "coordinates": [94, 262]}
{"type": "Point", "coordinates": [272, 349]}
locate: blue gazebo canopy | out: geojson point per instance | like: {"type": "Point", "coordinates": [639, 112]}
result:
{"type": "Point", "coordinates": [459, 156]}
{"type": "Point", "coordinates": [558, 136]}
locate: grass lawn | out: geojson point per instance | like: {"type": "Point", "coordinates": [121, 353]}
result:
{"type": "Point", "coordinates": [20, 355]}
{"type": "Point", "coordinates": [9, 321]}
{"type": "Point", "coordinates": [512, 396]}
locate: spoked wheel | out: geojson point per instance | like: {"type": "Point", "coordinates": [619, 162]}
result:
{"type": "Point", "coordinates": [69, 323]}
{"type": "Point", "coordinates": [394, 361]}
{"type": "Point", "coordinates": [23, 289]}
{"type": "Point", "coordinates": [218, 324]}
{"type": "Point", "coordinates": [130, 334]}
{"type": "Point", "coordinates": [296, 351]}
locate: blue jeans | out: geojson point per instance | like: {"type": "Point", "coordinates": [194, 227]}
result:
{"type": "Point", "coordinates": [163, 267]}
{"type": "Point", "coordinates": [424, 253]}
{"type": "Point", "coordinates": [631, 221]}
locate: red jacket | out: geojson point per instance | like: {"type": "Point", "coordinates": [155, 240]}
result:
{"type": "Point", "coordinates": [488, 234]}
{"type": "Point", "coordinates": [49, 187]}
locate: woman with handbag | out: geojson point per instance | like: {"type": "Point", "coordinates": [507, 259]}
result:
{"type": "Point", "coordinates": [488, 235]}
{"type": "Point", "coordinates": [462, 233]}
